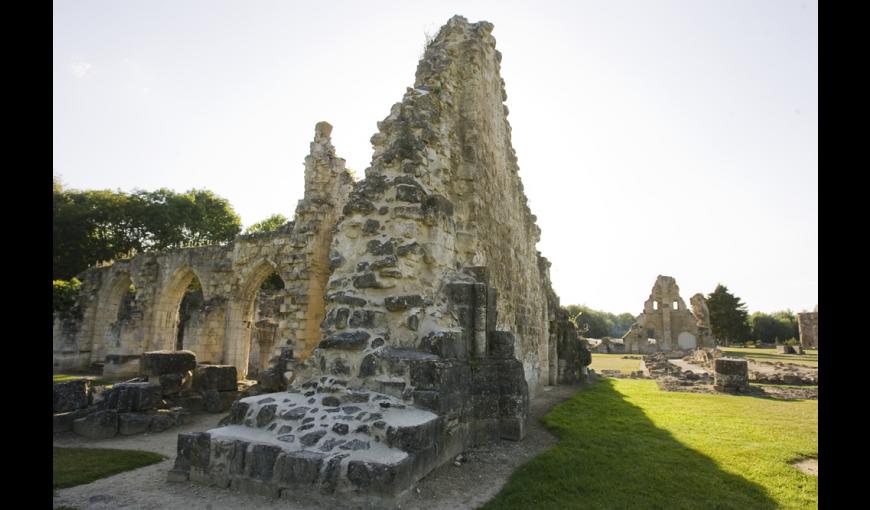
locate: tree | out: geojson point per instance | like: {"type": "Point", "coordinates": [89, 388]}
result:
{"type": "Point", "coordinates": [597, 323]}
{"type": "Point", "coordinates": [773, 328]}
{"type": "Point", "coordinates": [96, 226]}
{"type": "Point", "coordinates": [270, 224]}
{"type": "Point", "coordinates": [728, 316]}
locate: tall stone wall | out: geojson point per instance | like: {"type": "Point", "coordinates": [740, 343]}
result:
{"type": "Point", "coordinates": [442, 194]}
{"type": "Point", "coordinates": [439, 320]}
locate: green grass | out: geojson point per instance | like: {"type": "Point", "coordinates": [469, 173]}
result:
{"type": "Point", "coordinates": [625, 444]}
{"type": "Point", "coordinates": [58, 378]}
{"type": "Point", "coordinates": [76, 466]}
{"type": "Point", "coordinates": [614, 362]}
{"type": "Point", "coordinates": [811, 358]}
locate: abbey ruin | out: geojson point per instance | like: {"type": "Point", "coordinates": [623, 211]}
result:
{"type": "Point", "coordinates": [666, 324]}
{"type": "Point", "coordinates": [416, 317]}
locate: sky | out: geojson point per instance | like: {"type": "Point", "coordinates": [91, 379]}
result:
{"type": "Point", "coordinates": [653, 137]}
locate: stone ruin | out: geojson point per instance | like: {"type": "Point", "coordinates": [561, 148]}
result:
{"type": "Point", "coordinates": [171, 387]}
{"type": "Point", "coordinates": [666, 324]}
{"type": "Point", "coordinates": [808, 325]}
{"type": "Point", "coordinates": [418, 318]}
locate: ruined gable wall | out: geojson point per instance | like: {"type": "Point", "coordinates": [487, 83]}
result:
{"type": "Point", "coordinates": [442, 193]}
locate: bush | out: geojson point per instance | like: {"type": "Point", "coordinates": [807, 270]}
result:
{"type": "Point", "coordinates": [65, 293]}
{"type": "Point", "coordinates": [791, 341]}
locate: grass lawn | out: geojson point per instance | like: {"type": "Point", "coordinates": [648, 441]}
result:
{"type": "Point", "coordinates": [76, 466]}
{"type": "Point", "coordinates": [58, 378]}
{"type": "Point", "coordinates": [811, 358]}
{"type": "Point", "coordinates": [615, 362]}
{"type": "Point", "coordinates": [624, 443]}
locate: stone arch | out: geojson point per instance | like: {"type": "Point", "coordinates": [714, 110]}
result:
{"type": "Point", "coordinates": [237, 343]}
{"type": "Point", "coordinates": [107, 323]}
{"type": "Point", "coordinates": [164, 332]}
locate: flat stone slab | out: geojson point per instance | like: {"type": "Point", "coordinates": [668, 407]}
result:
{"type": "Point", "coordinates": [336, 439]}
{"type": "Point", "coordinates": [157, 363]}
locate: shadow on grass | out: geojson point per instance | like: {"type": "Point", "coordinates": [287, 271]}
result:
{"type": "Point", "coordinates": [611, 456]}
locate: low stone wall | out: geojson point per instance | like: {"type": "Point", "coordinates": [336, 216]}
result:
{"type": "Point", "coordinates": [730, 374]}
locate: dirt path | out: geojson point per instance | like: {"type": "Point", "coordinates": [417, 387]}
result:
{"type": "Point", "coordinates": [449, 487]}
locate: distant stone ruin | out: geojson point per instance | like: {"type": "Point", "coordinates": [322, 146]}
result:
{"type": "Point", "coordinates": [418, 318]}
{"type": "Point", "coordinates": [808, 324]}
{"type": "Point", "coordinates": [666, 324]}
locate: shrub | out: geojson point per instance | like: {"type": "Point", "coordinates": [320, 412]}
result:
{"type": "Point", "coordinates": [65, 293]}
{"type": "Point", "coordinates": [791, 341]}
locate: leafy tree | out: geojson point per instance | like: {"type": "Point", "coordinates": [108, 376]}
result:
{"type": "Point", "coordinates": [273, 222]}
{"type": "Point", "coordinates": [773, 328]}
{"type": "Point", "coordinates": [621, 324]}
{"type": "Point", "coordinates": [64, 294]}
{"type": "Point", "coordinates": [95, 226]}
{"type": "Point", "coordinates": [728, 316]}
{"type": "Point", "coordinates": [598, 323]}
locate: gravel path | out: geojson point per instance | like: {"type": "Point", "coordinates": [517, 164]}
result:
{"type": "Point", "coordinates": [482, 474]}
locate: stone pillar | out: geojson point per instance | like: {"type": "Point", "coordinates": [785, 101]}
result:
{"type": "Point", "coordinates": [480, 298]}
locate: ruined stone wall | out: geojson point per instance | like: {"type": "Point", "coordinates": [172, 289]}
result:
{"type": "Point", "coordinates": [808, 325]}
{"type": "Point", "coordinates": [666, 318]}
{"type": "Point", "coordinates": [442, 194]}
{"type": "Point", "coordinates": [220, 329]}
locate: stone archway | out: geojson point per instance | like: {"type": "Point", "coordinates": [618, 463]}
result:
{"type": "Point", "coordinates": [166, 310]}
{"type": "Point", "coordinates": [241, 317]}
{"type": "Point", "coordinates": [110, 316]}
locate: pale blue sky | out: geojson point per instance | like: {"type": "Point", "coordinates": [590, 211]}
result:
{"type": "Point", "coordinates": [653, 137]}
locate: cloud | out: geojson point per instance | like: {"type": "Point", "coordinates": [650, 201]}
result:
{"type": "Point", "coordinates": [79, 68]}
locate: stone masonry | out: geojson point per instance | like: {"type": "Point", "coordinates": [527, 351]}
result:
{"type": "Point", "coordinates": [113, 326]}
{"type": "Point", "coordinates": [666, 319]}
{"type": "Point", "coordinates": [439, 322]}
{"type": "Point", "coordinates": [808, 325]}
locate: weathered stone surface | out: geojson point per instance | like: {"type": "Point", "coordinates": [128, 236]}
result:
{"type": "Point", "coordinates": [730, 374]}
{"type": "Point", "coordinates": [397, 303]}
{"type": "Point", "coordinates": [157, 363]}
{"type": "Point", "coordinates": [298, 468]}
{"type": "Point", "coordinates": [133, 423]}
{"type": "Point", "coordinates": [126, 397]}
{"type": "Point", "coordinates": [215, 377]}
{"type": "Point", "coordinates": [346, 340]}
{"type": "Point", "coordinates": [97, 425]}
{"type": "Point", "coordinates": [70, 395]}
{"type": "Point", "coordinates": [172, 384]}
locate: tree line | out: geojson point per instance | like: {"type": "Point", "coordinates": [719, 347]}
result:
{"type": "Point", "coordinates": [90, 227]}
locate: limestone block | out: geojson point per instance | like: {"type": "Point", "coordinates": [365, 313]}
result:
{"type": "Point", "coordinates": [97, 425]}
{"type": "Point", "coordinates": [215, 377]}
{"type": "Point", "coordinates": [157, 363]}
{"type": "Point", "coordinates": [70, 395]}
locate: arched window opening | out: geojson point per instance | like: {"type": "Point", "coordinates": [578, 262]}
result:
{"type": "Point", "coordinates": [264, 318]}
{"type": "Point", "coordinates": [125, 309]}
{"type": "Point", "coordinates": [190, 304]}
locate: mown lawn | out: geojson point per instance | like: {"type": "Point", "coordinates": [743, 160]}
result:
{"type": "Point", "coordinates": [626, 444]}
{"type": "Point", "coordinates": [76, 466]}
{"type": "Point", "coordinates": [615, 362]}
{"type": "Point", "coordinates": [811, 358]}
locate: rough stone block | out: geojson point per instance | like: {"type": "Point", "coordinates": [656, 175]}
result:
{"type": "Point", "coordinates": [215, 377]}
{"type": "Point", "coordinates": [70, 395]}
{"type": "Point", "coordinates": [126, 397]}
{"type": "Point", "coordinates": [298, 468]}
{"type": "Point", "coordinates": [398, 303]}
{"type": "Point", "coordinates": [173, 384]}
{"type": "Point", "coordinates": [352, 340]}
{"type": "Point", "coordinates": [261, 464]}
{"type": "Point", "coordinates": [97, 425]}
{"type": "Point", "coordinates": [133, 423]}
{"type": "Point", "coordinates": [501, 344]}
{"type": "Point", "coordinates": [157, 363]}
